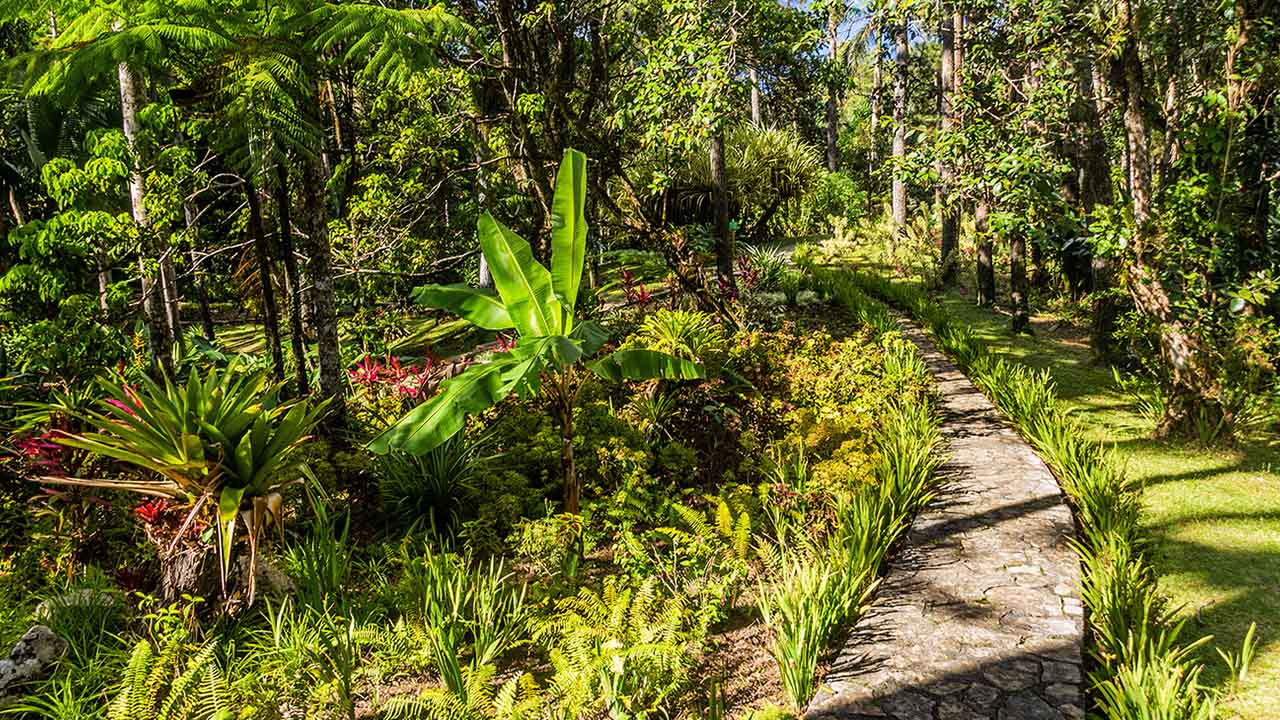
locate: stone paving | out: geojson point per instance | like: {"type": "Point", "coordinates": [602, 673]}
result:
{"type": "Point", "coordinates": [978, 616]}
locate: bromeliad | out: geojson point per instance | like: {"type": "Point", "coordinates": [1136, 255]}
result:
{"type": "Point", "coordinates": [224, 440]}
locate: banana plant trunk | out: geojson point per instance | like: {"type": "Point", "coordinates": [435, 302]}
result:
{"type": "Point", "coordinates": [572, 491]}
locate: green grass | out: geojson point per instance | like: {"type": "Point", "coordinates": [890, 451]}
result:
{"type": "Point", "coordinates": [1214, 514]}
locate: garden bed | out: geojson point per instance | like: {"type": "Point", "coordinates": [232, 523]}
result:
{"type": "Point", "coordinates": [730, 526]}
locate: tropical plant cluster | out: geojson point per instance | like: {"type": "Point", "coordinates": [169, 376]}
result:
{"type": "Point", "coordinates": [465, 590]}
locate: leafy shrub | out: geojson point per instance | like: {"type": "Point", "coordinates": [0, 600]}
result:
{"type": "Point", "coordinates": [551, 546]}
{"type": "Point", "coordinates": [767, 266]}
{"type": "Point", "coordinates": [225, 438]}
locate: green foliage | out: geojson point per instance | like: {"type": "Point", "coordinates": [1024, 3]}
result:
{"type": "Point", "coordinates": [476, 605]}
{"type": "Point", "coordinates": [429, 487]}
{"type": "Point", "coordinates": [552, 546]}
{"type": "Point", "coordinates": [624, 650]}
{"type": "Point", "coordinates": [159, 686]}
{"type": "Point", "coordinates": [517, 698]}
{"type": "Point", "coordinates": [320, 562]}
{"type": "Point", "coordinates": [539, 305]}
{"type": "Point", "coordinates": [225, 438]}
{"type": "Point", "coordinates": [690, 334]}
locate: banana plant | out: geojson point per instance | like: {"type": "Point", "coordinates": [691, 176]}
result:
{"type": "Point", "coordinates": [539, 305]}
{"type": "Point", "coordinates": [224, 438]}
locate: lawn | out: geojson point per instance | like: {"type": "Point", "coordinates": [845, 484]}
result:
{"type": "Point", "coordinates": [1214, 514]}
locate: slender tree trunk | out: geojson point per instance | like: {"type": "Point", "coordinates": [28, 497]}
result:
{"type": "Point", "coordinates": [104, 278]}
{"type": "Point", "coordinates": [900, 130]}
{"type": "Point", "coordinates": [724, 236]}
{"type": "Point", "coordinates": [1191, 384]}
{"type": "Point", "coordinates": [1096, 191]}
{"type": "Point", "coordinates": [1018, 282]}
{"type": "Point", "coordinates": [152, 303]}
{"type": "Point", "coordinates": [754, 77]}
{"type": "Point", "coordinates": [572, 489]}
{"type": "Point", "coordinates": [833, 90]}
{"type": "Point", "coordinates": [169, 287]}
{"type": "Point", "coordinates": [877, 87]}
{"type": "Point", "coordinates": [270, 312]}
{"type": "Point", "coordinates": [946, 111]}
{"type": "Point", "coordinates": [297, 338]}
{"type": "Point", "coordinates": [986, 295]}
{"type": "Point", "coordinates": [202, 290]}
{"type": "Point", "coordinates": [326, 321]}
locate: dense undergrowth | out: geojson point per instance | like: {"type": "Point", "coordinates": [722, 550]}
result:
{"type": "Point", "coordinates": [1143, 667]}
{"type": "Point", "coordinates": [731, 528]}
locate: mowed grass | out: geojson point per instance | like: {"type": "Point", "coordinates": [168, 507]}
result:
{"type": "Point", "coordinates": [1214, 514]}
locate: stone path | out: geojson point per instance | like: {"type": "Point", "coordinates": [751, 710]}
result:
{"type": "Point", "coordinates": [978, 616]}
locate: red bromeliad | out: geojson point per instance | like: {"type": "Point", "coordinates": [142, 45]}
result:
{"type": "Point", "coordinates": [636, 293]}
{"type": "Point", "coordinates": [408, 381]}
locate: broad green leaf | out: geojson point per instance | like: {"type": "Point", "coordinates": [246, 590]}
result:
{"type": "Point", "coordinates": [431, 423]}
{"type": "Point", "coordinates": [589, 336]}
{"type": "Point", "coordinates": [478, 307]}
{"type": "Point", "coordinates": [523, 283]}
{"type": "Point", "coordinates": [564, 351]}
{"type": "Point", "coordinates": [522, 367]}
{"type": "Point", "coordinates": [641, 364]}
{"type": "Point", "coordinates": [569, 228]}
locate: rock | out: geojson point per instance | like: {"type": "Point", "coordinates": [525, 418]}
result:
{"type": "Point", "coordinates": [84, 598]}
{"type": "Point", "coordinates": [31, 658]}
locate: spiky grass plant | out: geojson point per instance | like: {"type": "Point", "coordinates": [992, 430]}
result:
{"type": "Point", "coordinates": [1144, 671]}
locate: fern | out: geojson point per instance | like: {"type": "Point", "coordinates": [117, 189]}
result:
{"type": "Point", "coordinates": [624, 649]}
{"type": "Point", "coordinates": [156, 686]}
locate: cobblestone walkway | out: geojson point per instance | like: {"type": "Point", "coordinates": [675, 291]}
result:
{"type": "Point", "coordinates": [979, 615]}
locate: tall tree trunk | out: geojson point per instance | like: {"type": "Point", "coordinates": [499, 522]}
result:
{"type": "Point", "coordinates": [326, 320]}
{"type": "Point", "coordinates": [270, 313]}
{"type": "Point", "coordinates": [202, 290]}
{"type": "Point", "coordinates": [900, 130]}
{"type": "Point", "coordinates": [1190, 383]}
{"type": "Point", "coordinates": [833, 89]}
{"type": "Point", "coordinates": [1096, 191]}
{"type": "Point", "coordinates": [1018, 282]}
{"type": "Point", "coordinates": [297, 338]}
{"type": "Point", "coordinates": [946, 110]}
{"type": "Point", "coordinates": [754, 76]}
{"type": "Point", "coordinates": [169, 291]}
{"type": "Point", "coordinates": [724, 236]}
{"type": "Point", "coordinates": [152, 303]}
{"type": "Point", "coordinates": [877, 88]}
{"type": "Point", "coordinates": [986, 295]}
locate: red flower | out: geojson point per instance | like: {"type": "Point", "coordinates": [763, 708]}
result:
{"type": "Point", "coordinates": [151, 510]}
{"type": "Point", "coordinates": [42, 453]}
{"type": "Point", "coordinates": [506, 343]}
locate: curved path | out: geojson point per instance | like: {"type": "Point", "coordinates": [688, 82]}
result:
{"type": "Point", "coordinates": [979, 615]}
